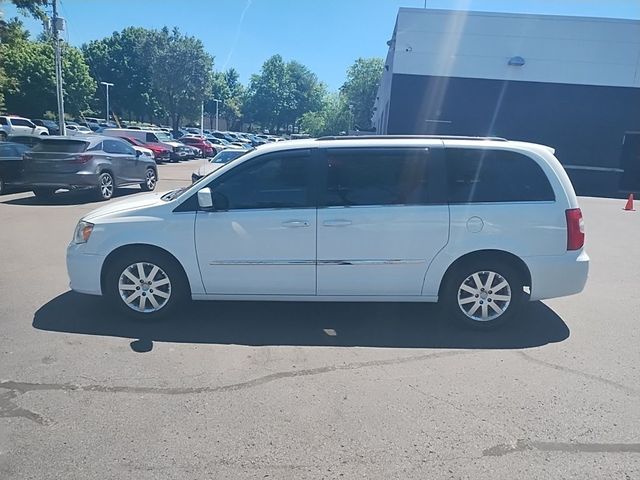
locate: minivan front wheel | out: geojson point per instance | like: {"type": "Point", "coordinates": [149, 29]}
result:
{"type": "Point", "coordinates": [484, 295]}
{"type": "Point", "coordinates": [145, 286]}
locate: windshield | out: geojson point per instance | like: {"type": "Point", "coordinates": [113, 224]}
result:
{"type": "Point", "coordinates": [227, 155]}
{"type": "Point", "coordinates": [163, 136]}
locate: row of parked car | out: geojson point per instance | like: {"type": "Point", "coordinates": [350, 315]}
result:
{"type": "Point", "coordinates": [102, 161]}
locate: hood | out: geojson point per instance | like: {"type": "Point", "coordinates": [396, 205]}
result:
{"type": "Point", "coordinates": [208, 168]}
{"type": "Point", "coordinates": [138, 202]}
{"type": "Point", "coordinates": [157, 146]}
{"type": "Point", "coordinates": [172, 143]}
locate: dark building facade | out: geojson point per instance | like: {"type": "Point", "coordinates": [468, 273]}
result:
{"type": "Point", "coordinates": [570, 83]}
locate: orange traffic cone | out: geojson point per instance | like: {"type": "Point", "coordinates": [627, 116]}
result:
{"type": "Point", "coordinates": [629, 205]}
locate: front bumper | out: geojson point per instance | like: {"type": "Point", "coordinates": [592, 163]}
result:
{"type": "Point", "coordinates": [558, 275]}
{"type": "Point", "coordinates": [84, 270]}
{"type": "Point", "coordinates": [62, 180]}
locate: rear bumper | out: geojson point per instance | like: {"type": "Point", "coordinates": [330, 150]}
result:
{"type": "Point", "coordinates": [84, 270]}
{"type": "Point", "coordinates": [558, 276]}
{"type": "Point", "coordinates": [62, 180]}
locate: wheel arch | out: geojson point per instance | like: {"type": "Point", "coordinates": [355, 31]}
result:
{"type": "Point", "coordinates": [493, 255]}
{"type": "Point", "coordinates": [147, 248]}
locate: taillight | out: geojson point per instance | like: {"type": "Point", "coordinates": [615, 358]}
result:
{"type": "Point", "coordinates": [82, 159]}
{"type": "Point", "coordinates": [575, 229]}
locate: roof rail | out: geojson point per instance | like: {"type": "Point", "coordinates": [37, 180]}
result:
{"type": "Point", "coordinates": [409, 137]}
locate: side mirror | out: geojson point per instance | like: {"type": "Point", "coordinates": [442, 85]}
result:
{"type": "Point", "coordinates": [205, 200]}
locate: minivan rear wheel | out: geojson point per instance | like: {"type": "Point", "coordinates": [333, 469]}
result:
{"type": "Point", "coordinates": [145, 285]}
{"type": "Point", "coordinates": [483, 294]}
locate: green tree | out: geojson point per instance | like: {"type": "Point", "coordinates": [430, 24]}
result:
{"type": "Point", "coordinates": [123, 59]}
{"type": "Point", "coordinates": [35, 8]}
{"type": "Point", "coordinates": [30, 85]}
{"type": "Point", "coordinates": [268, 96]}
{"type": "Point", "coordinates": [361, 87]}
{"type": "Point", "coordinates": [331, 119]}
{"type": "Point", "coordinates": [306, 93]}
{"type": "Point", "coordinates": [181, 73]}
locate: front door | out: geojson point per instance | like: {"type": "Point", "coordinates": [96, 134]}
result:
{"type": "Point", "coordinates": [260, 239]}
{"type": "Point", "coordinates": [383, 219]}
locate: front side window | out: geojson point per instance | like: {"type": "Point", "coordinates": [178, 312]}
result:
{"type": "Point", "coordinates": [3, 121]}
{"type": "Point", "coordinates": [279, 180]}
{"type": "Point", "coordinates": [150, 137]}
{"type": "Point", "coordinates": [483, 175]}
{"type": "Point", "coordinates": [359, 177]}
{"type": "Point", "coordinates": [20, 122]}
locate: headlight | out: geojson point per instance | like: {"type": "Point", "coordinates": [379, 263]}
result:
{"type": "Point", "coordinates": [83, 232]}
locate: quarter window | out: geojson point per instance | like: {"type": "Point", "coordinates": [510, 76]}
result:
{"type": "Point", "coordinates": [479, 175]}
{"type": "Point", "coordinates": [280, 180]}
{"type": "Point", "coordinates": [380, 177]}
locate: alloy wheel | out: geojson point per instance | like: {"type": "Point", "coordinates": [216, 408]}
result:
{"type": "Point", "coordinates": [144, 287]}
{"type": "Point", "coordinates": [150, 179]}
{"type": "Point", "coordinates": [106, 185]}
{"type": "Point", "coordinates": [484, 296]}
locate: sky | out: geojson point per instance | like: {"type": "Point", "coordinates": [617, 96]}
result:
{"type": "Point", "coordinates": [325, 35]}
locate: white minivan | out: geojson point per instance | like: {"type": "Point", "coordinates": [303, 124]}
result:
{"type": "Point", "coordinates": [481, 225]}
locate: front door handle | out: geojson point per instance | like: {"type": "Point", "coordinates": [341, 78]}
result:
{"type": "Point", "coordinates": [337, 223]}
{"type": "Point", "coordinates": [295, 224]}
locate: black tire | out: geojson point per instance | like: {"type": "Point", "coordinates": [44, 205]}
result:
{"type": "Point", "coordinates": [3, 186]}
{"type": "Point", "coordinates": [106, 186]}
{"type": "Point", "coordinates": [3, 136]}
{"type": "Point", "coordinates": [44, 192]}
{"type": "Point", "coordinates": [177, 288]}
{"type": "Point", "coordinates": [149, 184]}
{"type": "Point", "coordinates": [481, 299]}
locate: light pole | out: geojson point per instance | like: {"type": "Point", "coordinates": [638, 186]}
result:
{"type": "Point", "coordinates": [217, 102]}
{"type": "Point", "coordinates": [107, 85]}
{"type": "Point", "coordinates": [58, 25]}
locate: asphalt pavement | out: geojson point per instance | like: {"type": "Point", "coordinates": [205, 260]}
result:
{"type": "Point", "coordinates": [308, 391]}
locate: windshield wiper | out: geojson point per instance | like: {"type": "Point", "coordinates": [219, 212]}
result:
{"type": "Point", "coordinates": [173, 194]}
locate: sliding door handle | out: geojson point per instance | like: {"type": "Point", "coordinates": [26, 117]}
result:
{"type": "Point", "coordinates": [295, 223]}
{"type": "Point", "coordinates": [337, 223]}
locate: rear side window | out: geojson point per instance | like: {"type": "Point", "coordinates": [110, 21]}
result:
{"type": "Point", "coordinates": [117, 147]}
{"type": "Point", "coordinates": [60, 146]}
{"type": "Point", "coordinates": [357, 177]}
{"type": "Point", "coordinates": [482, 175]}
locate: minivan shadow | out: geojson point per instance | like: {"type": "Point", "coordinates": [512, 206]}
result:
{"type": "Point", "coordinates": [389, 325]}
{"type": "Point", "coordinates": [70, 197]}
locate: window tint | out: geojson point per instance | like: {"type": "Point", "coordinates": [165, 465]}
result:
{"type": "Point", "coordinates": [272, 181]}
{"type": "Point", "coordinates": [61, 146]}
{"type": "Point", "coordinates": [96, 147]}
{"type": "Point", "coordinates": [117, 147]}
{"type": "Point", "coordinates": [150, 137]}
{"type": "Point", "coordinates": [7, 151]}
{"type": "Point", "coordinates": [21, 122]}
{"type": "Point", "coordinates": [379, 177]}
{"type": "Point", "coordinates": [3, 121]}
{"type": "Point", "coordinates": [495, 176]}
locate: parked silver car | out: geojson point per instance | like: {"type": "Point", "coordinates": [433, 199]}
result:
{"type": "Point", "coordinates": [98, 162]}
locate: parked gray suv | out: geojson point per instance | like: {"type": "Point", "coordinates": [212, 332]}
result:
{"type": "Point", "coordinates": [98, 162]}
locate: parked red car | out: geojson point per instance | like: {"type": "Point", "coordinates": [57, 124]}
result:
{"type": "Point", "coordinates": [160, 152]}
{"type": "Point", "coordinates": [205, 146]}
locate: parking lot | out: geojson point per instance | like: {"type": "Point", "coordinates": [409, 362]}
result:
{"type": "Point", "coordinates": [303, 390]}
